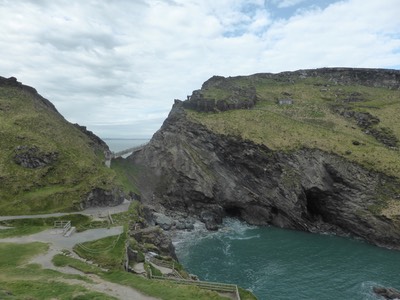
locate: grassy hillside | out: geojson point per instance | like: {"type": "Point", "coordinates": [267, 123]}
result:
{"type": "Point", "coordinates": [30, 126]}
{"type": "Point", "coordinates": [324, 114]}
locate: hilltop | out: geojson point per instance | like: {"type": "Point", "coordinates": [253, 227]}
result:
{"type": "Point", "coordinates": [314, 150]}
{"type": "Point", "coordinates": [46, 163]}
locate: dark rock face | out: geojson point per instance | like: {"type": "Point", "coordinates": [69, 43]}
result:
{"type": "Point", "coordinates": [387, 293]}
{"type": "Point", "coordinates": [235, 98]}
{"type": "Point", "coordinates": [31, 157]}
{"type": "Point", "coordinates": [199, 173]}
{"type": "Point", "coordinates": [100, 198]}
{"type": "Point", "coordinates": [155, 236]}
{"type": "Point", "coordinates": [96, 142]}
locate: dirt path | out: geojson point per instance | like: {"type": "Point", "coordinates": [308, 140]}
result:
{"type": "Point", "coordinates": [113, 289]}
{"type": "Point", "coordinates": [58, 242]}
{"type": "Point", "coordinates": [94, 212]}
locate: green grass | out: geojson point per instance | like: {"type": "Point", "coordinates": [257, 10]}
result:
{"type": "Point", "coordinates": [51, 290]}
{"type": "Point", "coordinates": [61, 260]}
{"type": "Point", "coordinates": [19, 280]}
{"type": "Point", "coordinates": [107, 252]}
{"type": "Point", "coordinates": [60, 186]}
{"type": "Point", "coordinates": [311, 122]}
{"type": "Point", "coordinates": [13, 255]}
{"type": "Point", "coordinates": [162, 290]}
{"type": "Point", "coordinates": [20, 231]}
{"type": "Point", "coordinates": [126, 175]}
{"type": "Point", "coordinates": [246, 295]}
{"type": "Point", "coordinates": [20, 227]}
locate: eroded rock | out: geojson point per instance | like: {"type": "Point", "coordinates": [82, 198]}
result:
{"type": "Point", "coordinates": [387, 293]}
{"type": "Point", "coordinates": [32, 157]}
{"type": "Point", "coordinates": [211, 176]}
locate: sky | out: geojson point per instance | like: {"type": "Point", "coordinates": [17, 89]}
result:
{"type": "Point", "coordinates": [116, 66]}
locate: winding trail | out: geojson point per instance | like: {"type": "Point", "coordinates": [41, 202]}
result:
{"type": "Point", "coordinates": [94, 212]}
{"type": "Point", "coordinates": [57, 242]}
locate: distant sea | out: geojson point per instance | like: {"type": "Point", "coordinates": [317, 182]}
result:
{"type": "Point", "coordinates": [276, 263]}
{"type": "Point", "coordinates": [116, 144]}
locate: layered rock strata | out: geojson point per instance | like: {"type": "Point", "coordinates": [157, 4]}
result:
{"type": "Point", "coordinates": [196, 172]}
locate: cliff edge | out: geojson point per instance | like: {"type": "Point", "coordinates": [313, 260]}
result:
{"type": "Point", "coordinates": [316, 151]}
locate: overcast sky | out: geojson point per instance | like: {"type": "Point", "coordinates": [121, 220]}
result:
{"type": "Point", "coordinates": [116, 66]}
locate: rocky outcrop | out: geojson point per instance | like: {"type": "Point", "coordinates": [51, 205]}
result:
{"type": "Point", "coordinates": [155, 239]}
{"type": "Point", "coordinates": [234, 97]}
{"type": "Point", "coordinates": [368, 123]}
{"type": "Point", "coordinates": [343, 76]}
{"type": "Point", "coordinates": [41, 101]}
{"type": "Point", "coordinates": [32, 157]}
{"type": "Point", "coordinates": [168, 223]}
{"type": "Point", "coordinates": [95, 142]}
{"type": "Point", "coordinates": [387, 293]}
{"type": "Point", "coordinates": [189, 169]}
{"type": "Point", "coordinates": [101, 198]}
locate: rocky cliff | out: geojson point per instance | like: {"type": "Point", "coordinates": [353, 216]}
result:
{"type": "Point", "coordinates": [195, 167]}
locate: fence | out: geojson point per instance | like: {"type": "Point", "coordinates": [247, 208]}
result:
{"type": "Point", "coordinates": [162, 263]}
{"type": "Point", "coordinates": [64, 225]}
{"type": "Point", "coordinates": [213, 286]}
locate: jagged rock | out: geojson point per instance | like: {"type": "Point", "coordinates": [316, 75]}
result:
{"type": "Point", "coordinates": [31, 157]}
{"type": "Point", "coordinates": [194, 170]}
{"type": "Point", "coordinates": [96, 142]}
{"type": "Point", "coordinates": [163, 221]}
{"type": "Point", "coordinates": [387, 293]}
{"type": "Point", "coordinates": [185, 224]}
{"type": "Point", "coordinates": [235, 98]}
{"type": "Point", "coordinates": [210, 219]}
{"type": "Point", "coordinates": [157, 237]}
{"type": "Point", "coordinates": [99, 198]}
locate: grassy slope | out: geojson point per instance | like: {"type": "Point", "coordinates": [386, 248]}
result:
{"type": "Point", "coordinates": [21, 281]}
{"type": "Point", "coordinates": [25, 121]}
{"type": "Point", "coordinates": [311, 122]}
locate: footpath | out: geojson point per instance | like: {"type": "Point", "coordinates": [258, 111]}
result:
{"type": "Point", "coordinates": [57, 242]}
{"type": "Point", "coordinates": [94, 212]}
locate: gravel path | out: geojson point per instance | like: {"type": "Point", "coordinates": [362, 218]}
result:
{"type": "Point", "coordinates": [94, 212]}
{"type": "Point", "coordinates": [57, 242]}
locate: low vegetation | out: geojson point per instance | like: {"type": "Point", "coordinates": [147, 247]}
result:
{"type": "Point", "coordinates": [319, 117]}
{"type": "Point", "coordinates": [103, 257]}
{"type": "Point", "coordinates": [162, 290]}
{"type": "Point", "coordinates": [19, 280]}
{"type": "Point", "coordinates": [65, 163]}
{"type": "Point", "coordinates": [20, 227]}
{"type": "Point", "coordinates": [108, 252]}
{"type": "Point", "coordinates": [126, 175]}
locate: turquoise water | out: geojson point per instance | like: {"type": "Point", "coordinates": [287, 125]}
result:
{"type": "Point", "coordinates": [116, 145]}
{"type": "Point", "coordinates": [283, 264]}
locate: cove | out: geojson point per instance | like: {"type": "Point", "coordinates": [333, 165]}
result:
{"type": "Point", "coordinates": [283, 264]}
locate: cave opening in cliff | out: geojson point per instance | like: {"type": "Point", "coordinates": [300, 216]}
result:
{"type": "Point", "coordinates": [233, 212]}
{"type": "Point", "coordinates": [315, 200]}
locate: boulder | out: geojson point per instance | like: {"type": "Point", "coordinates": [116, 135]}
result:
{"type": "Point", "coordinates": [163, 221]}
{"type": "Point", "coordinates": [387, 293]}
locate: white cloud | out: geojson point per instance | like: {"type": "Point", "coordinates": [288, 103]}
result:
{"type": "Point", "coordinates": [116, 66]}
